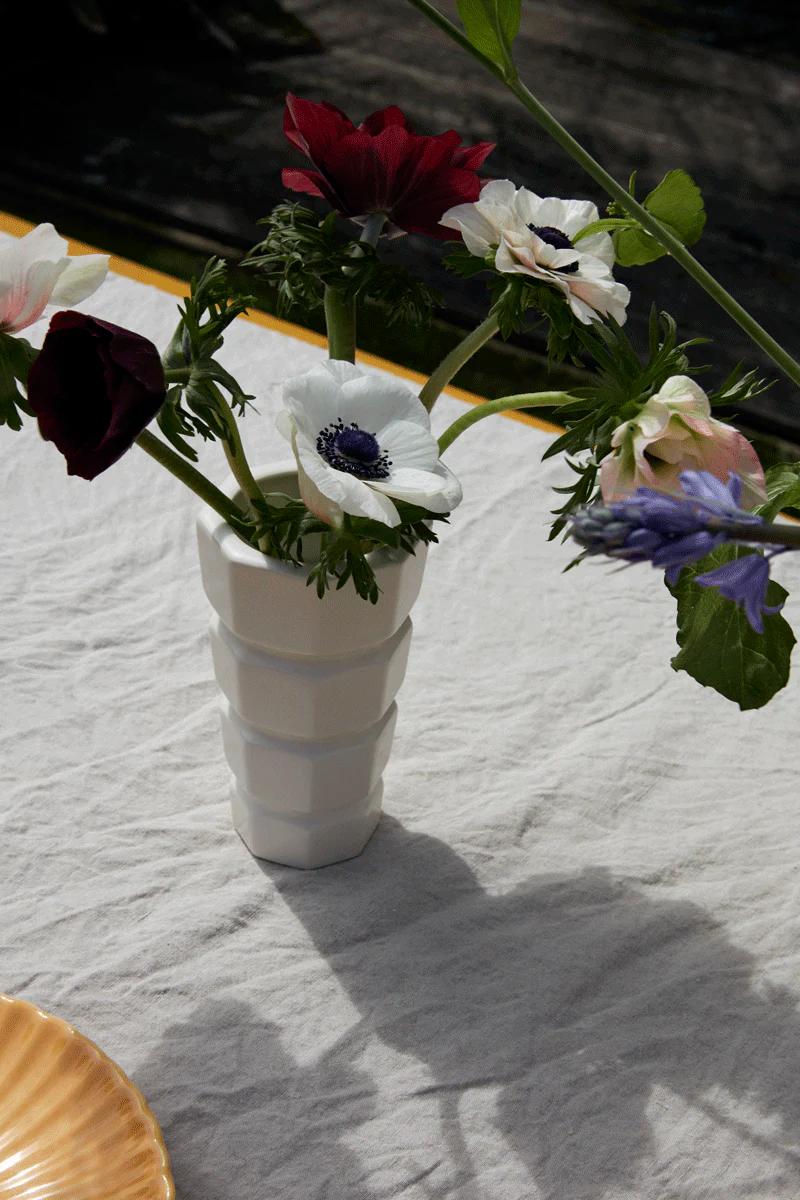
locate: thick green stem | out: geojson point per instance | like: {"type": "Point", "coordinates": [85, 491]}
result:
{"type": "Point", "coordinates": [237, 459]}
{"type": "Point", "coordinates": [208, 492]}
{"type": "Point", "coordinates": [456, 34]}
{"type": "Point", "coordinates": [672, 244]}
{"type": "Point", "coordinates": [177, 374]}
{"type": "Point", "coordinates": [340, 321]}
{"type": "Point", "coordinates": [504, 404]}
{"type": "Point", "coordinates": [769, 534]}
{"type": "Point", "coordinates": [340, 309]}
{"type": "Point", "coordinates": [450, 366]}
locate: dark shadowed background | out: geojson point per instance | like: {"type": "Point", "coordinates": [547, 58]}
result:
{"type": "Point", "coordinates": [154, 131]}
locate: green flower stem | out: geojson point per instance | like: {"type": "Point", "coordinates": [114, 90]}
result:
{"type": "Point", "coordinates": [177, 374]}
{"type": "Point", "coordinates": [672, 244]}
{"type": "Point", "coordinates": [208, 492]}
{"type": "Point", "coordinates": [450, 366]}
{"type": "Point", "coordinates": [504, 404]}
{"type": "Point", "coordinates": [340, 310]}
{"type": "Point", "coordinates": [340, 322]}
{"type": "Point", "coordinates": [664, 236]}
{"type": "Point", "coordinates": [237, 459]}
{"type": "Point", "coordinates": [780, 535]}
{"type": "Point", "coordinates": [452, 31]}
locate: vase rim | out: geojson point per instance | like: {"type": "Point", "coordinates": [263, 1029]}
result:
{"type": "Point", "coordinates": [232, 546]}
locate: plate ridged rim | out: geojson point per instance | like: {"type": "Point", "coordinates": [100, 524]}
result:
{"type": "Point", "coordinates": [119, 1077]}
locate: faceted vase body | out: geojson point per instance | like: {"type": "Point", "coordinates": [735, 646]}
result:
{"type": "Point", "coordinates": [308, 686]}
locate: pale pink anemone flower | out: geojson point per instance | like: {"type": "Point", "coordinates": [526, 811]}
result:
{"type": "Point", "coordinates": [675, 432]}
{"type": "Point", "coordinates": [531, 235]}
{"type": "Point", "coordinates": [35, 271]}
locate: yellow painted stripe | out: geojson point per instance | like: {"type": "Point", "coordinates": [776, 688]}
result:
{"type": "Point", "coordinates": [176, 287]}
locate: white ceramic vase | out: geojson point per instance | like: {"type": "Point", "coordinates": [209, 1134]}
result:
{"type": "Point", "coordinates": [308, 685]}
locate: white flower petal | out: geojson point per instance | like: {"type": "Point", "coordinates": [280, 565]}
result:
{"type": "Point", "coordinates": [284, 423]}
{"type": "Point", "coordinates": [394, 415]}
{"type": "Point", "coordinates": [570, 216]}
{"type": "Point", "coordinates": [507, 260]}
{"type": "Point", "coordinates": [603, 295]}
{"type": "Point", "coordinates": [653, 419]}
{"type": "Point", "coordinates": [480, 224]}
{"type": "Point", "coordinates": [313, 399]}
{"type": "Point", "coordinates": [583, 311]}
{"type": "Point", "coordinates": [408, 445]}
{"type": "Point", "coordinates": [599, 245]}
{"type": "Point", "coordinates": [35, 271]}
{"type": "Point", "coordinates": [372, 401]}
{"type": "Point", "coordinates": [8, 306]}
{"type": "Point", "coordinates": [81, 277]}
{"type": "Point", "coordinates": [328, 492]}
{"type": "Point", "coordinates": [478, 233]}
{"type": "Point", "coordinates": [556, 260]}
{"type": "Point", "coordinates": [498, 193]}
{"type": "Point", "coordinates": [683, 394]}
{"type": "Point", "coordinates": [29, 295]}
{"type": "Point", "coordinates": [591, 267]}
{"type": "Point", "coordinates": [341, 370]}
{"type": "Point", "coordinates": [437, 490]}
{"type": "Point", "coordinates": [526, 208]}
{"type": "Point", "coordinates": [315, 500]}
{"type": "Point", "coordinates": [40, 243]}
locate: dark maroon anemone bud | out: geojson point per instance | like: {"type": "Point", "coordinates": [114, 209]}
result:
{"type": "Point", "coordinates": [94, 387]}
{"type": "Point", "coordinates": [381, 166]}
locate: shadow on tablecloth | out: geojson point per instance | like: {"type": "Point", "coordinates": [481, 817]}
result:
{"type": "Point", "coordinates": [574, 998]}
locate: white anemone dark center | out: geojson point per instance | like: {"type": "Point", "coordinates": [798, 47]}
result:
{"type": "Point", "coordinates": [353, 450]}
{"type": "Point", "coordinates": [558, 240]}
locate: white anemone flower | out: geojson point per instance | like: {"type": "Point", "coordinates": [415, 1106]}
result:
{"type": "Point", "coordinates": [361, 441]}
{"type": "Point", "coordinates": [35, 270]}
{"type": "Point", "coordinates": [532, 236]}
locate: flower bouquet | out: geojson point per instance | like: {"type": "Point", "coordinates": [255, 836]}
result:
{"type": "Point", "coordinates": [313, 568]}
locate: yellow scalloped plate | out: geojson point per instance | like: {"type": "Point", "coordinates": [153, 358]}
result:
{"type": "Point", "coordinates": [72, 1125]}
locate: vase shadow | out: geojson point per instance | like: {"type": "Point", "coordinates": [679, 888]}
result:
{"type": "Point", "coordinates": [243, 1119]}
{"type": "Point", "coordinates": [575, 997]}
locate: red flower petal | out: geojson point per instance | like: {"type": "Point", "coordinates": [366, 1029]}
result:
{"type": "Point", "coordinates": [376, 122]}
{"type": "Point", "coordinates": [382, 166]}
{"type": "Point", "coordinates": [311, 127]}
{"type": "Point", "coordinates": [472, 157]}
{"type": "Point", "coordinates": [310, 182]}
{"type": "Point", "coordinates": [422, 211]}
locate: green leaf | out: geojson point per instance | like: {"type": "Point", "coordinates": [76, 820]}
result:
{"type": "Point", "coordinates": [173, 424]}
{"type": "Point", "coordinates": [16, 358]}
{"type": "Point", "coordinates": [636, 248]}
{"type": "Point", "coordinates": [783, 490]}
{"type": "Point", "coordinates": [461, 262]}
{"type": "Point", "coordinates": [718, 647]}
{"type": "Point", "coordinates": [604, 225]}
{"type": "Point", "coordinates": [491, 26]}
{"type": "Point", "coordinates": [302, 255]}
{"type": "Point", "coordinates": [677, 203]}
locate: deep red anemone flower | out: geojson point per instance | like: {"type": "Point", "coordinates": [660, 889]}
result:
{"type": "Point", "coordinates": [381, 166]}
{"type": "Point", "coordinates": [94, 387]}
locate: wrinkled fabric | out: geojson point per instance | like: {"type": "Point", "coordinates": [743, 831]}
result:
{"type": "Point", "coordinates": [567, 967]}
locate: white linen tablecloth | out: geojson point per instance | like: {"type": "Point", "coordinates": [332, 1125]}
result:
{"type": "Point", "coordinates": [566, 966]}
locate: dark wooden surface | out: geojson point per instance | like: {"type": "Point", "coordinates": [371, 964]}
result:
{"type": "Point", "coordinates": [157, 148]}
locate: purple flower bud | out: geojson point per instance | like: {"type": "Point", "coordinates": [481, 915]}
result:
{"type": "Point", "coordinates": [671, 532]}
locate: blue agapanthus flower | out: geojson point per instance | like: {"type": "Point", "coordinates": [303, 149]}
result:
{"type": "Point", "coordinates": [745, 581]}
{"type": "Point", "coordinates": [671, 532]}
